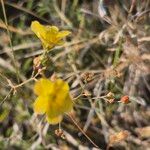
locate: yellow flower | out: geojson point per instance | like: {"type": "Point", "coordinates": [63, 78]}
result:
{"type": "Point", "coordinates": [53, 99]}
{"type": "Point", "coordinates": [49, 35]}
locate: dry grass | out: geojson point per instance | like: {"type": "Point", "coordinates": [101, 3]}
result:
{"type": "Point", "coordinates": [108, 51]}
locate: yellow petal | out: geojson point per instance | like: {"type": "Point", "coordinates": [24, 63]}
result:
{"type": "Point", "coordinates": [40, 105]}
{"type": "Point", "coordinates": [63, 96]}
{"type": "Point", "coordinates": [43, 87]}
{"type": "Point", "coordinates": [51, 30]}
{"type": "Point", "coordinates": [60, 43]}
{"type": "Point", "coordinates": [50, 39]}
{"type": "Point", "coordinates": [38, 29]}
{"type": "Point", "coordinates": [47, 45]}
{"type": "Point", "coordinates": [62, 34]}
{"type": "Point", "coordinates": [62, 100]}
{"type": "Point", "coordinates": [54, 29]}
{"type": "Point", "coordinates": [59, 100]}
{"type": "Point", "coordinates": [52, 110]}
{"type": "Point", "coordinates": [59, 84]}
{"type": "Point", "coordinates": [54, 120]}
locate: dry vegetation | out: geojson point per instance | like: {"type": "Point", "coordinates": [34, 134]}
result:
{"type": "Point", "coordinates": [106, 62]}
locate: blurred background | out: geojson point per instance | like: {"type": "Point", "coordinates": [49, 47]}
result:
{"type": "Point", "coordinates": [106, 62]}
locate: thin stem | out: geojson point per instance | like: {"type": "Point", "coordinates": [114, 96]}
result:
{"type": "Point", "coordinates": [59, 125]}
{"type": "Point", "coordinates": [33, 78]}
{"type": "Point", "coordinates": [10, 42]}
{"type": "Point", "coordinates": [1, 103]}
{"type": "Point", "coordinates": [75, 122]}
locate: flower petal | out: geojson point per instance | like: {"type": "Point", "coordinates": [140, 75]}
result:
{"type": "Point", "coordinates": [62, 34]}
{"type": "Point", "coordinates": [59, 100]}
{"type": "Point", "coordinates": [50, 39]}
{"type": "Point", "coordinates": [40, 105]}
{"type": "Point", "coordinates": [60, 42]}
{"type": "Point", "coordinates": [63, 100]}
{"type": "Point", "coordinates": [54, 29]}
{"type": "Point", "coordinates": [38, 29]}
{"type": "Point", "coordinates": [47, 45]}
{"type": "Point", "coordinates": [43, 87]}
{"type": "Point", "coordinates": [59, 84]}
{"type": "Point", "coordinates": [54, 120]}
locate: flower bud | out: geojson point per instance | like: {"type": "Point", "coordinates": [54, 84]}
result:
{"type": "Point", "coordinates": [125, 99]}
{"type": "Point", "coordinates": [110, 95]}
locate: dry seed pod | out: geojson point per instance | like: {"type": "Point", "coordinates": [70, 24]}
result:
{"type": "Point", "coordinates": [125, 99]}
{"type": "Point", "coordinates": [118, 137]}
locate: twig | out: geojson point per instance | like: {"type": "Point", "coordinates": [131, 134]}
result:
{"type": "Point", "coordinates": [10, 42]}
{"type": "Point", "coordinates": [1, 103]}
{"type": "Point", "coordinates": [75, 122]}
{"type": "Point", "coordinates": [26, 11]}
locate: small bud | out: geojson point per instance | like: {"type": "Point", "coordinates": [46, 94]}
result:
{"type": "Point", "coordinates": [46, 60]}
{"type": "Point", "coordinates": [117, 74]}
{"type": "Point", "coordinates": [125, 99]}
{"type": "Point", "coordinates": [53, 77]}
{"type": "Point", "coordinates": [87, 76]}
{"type": "Point", "coordinates": [118, 137]}
{"type": "Point", "coordinates": [110, 95]}
{"type": "Point", "coordinates": [111, 100]}
{"type": "Point", "coordinates": [60, 133]}
{"type": "Point", "coordinates": [37, 63]}
{"type": "Point", "coordinates": [86, 93]}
